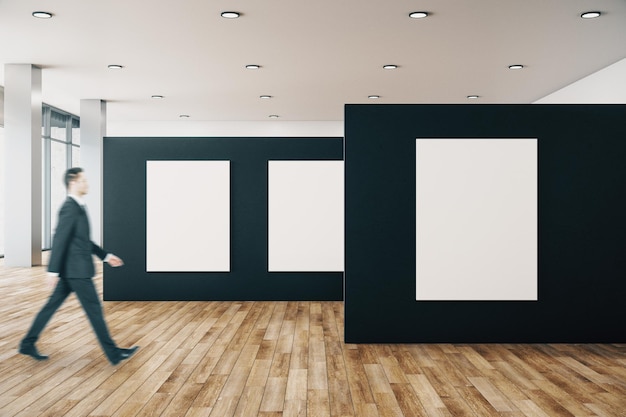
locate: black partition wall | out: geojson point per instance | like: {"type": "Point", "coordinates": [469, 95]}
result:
{"type": "Point", "coordinates": [248, 279]}
{"type": "Point", "coordinates": [581, 233]}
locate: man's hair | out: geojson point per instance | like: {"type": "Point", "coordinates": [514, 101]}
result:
{"type": "Point", "coordinates": [70, 175]}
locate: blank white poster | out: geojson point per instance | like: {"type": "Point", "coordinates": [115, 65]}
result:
{"type": "Point", "coordinates": [305, 216]}
{"type": "Point", "coordinates": [188, 216]}
{"type": "Point", "coordinates": [476, 219]}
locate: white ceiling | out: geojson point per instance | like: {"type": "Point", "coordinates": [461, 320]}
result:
{"type": "Point", "coordinates": [315, 55]}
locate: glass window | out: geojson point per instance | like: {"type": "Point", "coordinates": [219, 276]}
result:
{"type": "Point", "coordinates": [58, 166]}
{"type": "Point", "coordinates": [60, 151]}
{"type": "Point", "coordinates": [45, 207]}
{"type": "Point", "coordinates": [75, 131]}
{"type": "Point", "coordinates": [75, 156]}
{"type": "Point", "coordinates": [58, 126]}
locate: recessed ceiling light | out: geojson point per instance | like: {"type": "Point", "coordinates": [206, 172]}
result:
{"type": "Point", "coordinates": [184, 116]}
{"type": "Point", "coordinates": [115, 66]}
{"type": "Point", "coordinates": [265, 96]}
{"type": "Point", "coordinates": [516, 67]}
{"type": "Point", "coordinates": [390, 66]}
{"type": "Point", "coordinates": [42, 15]}
{"type": "Point", "coordinates": [418, 15]}
{"type": "Point", "coordinates": [230, 15]}
{"type": "Point", "coordinates": [473, 97]}
{"type": "Point", "coordinates": [374, 96]}
{"type": "Point", "coordinates": [157, 97]}
{"type": "Point", "coordinates": [253, 66]}
{"type": "Point", "coordinates": [273, 116]}
{"type": "Point", "coordinates": [590, 15]}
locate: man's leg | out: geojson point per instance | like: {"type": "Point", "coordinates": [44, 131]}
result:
{"type": "Point", "coordinates": [60, 293]}
{"type": "Point", "coordinates": [89, 299]}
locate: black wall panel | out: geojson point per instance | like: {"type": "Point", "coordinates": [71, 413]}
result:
{"type": "Point", "coordinates": [582, 225]}
{"type": "Point", "coordinates": [125, 220]}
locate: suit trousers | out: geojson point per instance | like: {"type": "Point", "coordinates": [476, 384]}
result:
{"type": "Point", "coordinates": [90, 301]}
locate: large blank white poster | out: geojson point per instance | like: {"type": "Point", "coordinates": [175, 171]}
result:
{"type": "Point", "coordinates": [476, 219]}
{"type": "Point", "coordinates": [305, 216]}
{"type": "Point", "coordinates": [187, 216]}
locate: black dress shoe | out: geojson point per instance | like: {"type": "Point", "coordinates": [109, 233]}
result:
{"type": "Point", "coordinates": [124, 354]}
{"type": "Point", "coordinates": [32, 352]}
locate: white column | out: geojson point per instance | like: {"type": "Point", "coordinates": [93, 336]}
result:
{"type": "Point", "coordinates": [92, 132]}
{"type": "Point", "coordinates": [22, 124]}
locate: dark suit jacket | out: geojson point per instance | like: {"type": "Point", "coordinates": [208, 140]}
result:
{"type": "Point", "coordinates": [72, 247]}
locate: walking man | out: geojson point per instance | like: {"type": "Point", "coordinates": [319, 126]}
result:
{"type": "Point", "coordinates": [71, 269]}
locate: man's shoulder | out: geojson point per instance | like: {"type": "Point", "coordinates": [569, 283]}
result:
{"type": "Point", "coordinates": [69, 205]}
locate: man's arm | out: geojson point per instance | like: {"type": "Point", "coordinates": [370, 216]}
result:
{"type": "Point", "coordinates": [62, 237]}
{"type": "Point", "coordinates": [106, 257]}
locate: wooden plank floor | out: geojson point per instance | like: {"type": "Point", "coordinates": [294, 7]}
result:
{"type": "Point", "coordinates": [272, 359]}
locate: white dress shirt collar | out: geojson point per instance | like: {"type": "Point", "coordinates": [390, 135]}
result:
{"type": "Point", "coordinates": [79, 200]}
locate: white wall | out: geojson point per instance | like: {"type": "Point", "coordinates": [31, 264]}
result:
{"type": "Point", "coordinates": [606, 86]}
{"type": "Point", "coordinates": [221, 129]}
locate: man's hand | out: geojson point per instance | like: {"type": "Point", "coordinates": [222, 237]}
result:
{"type": "Point", "coordinates": [115, 261]}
